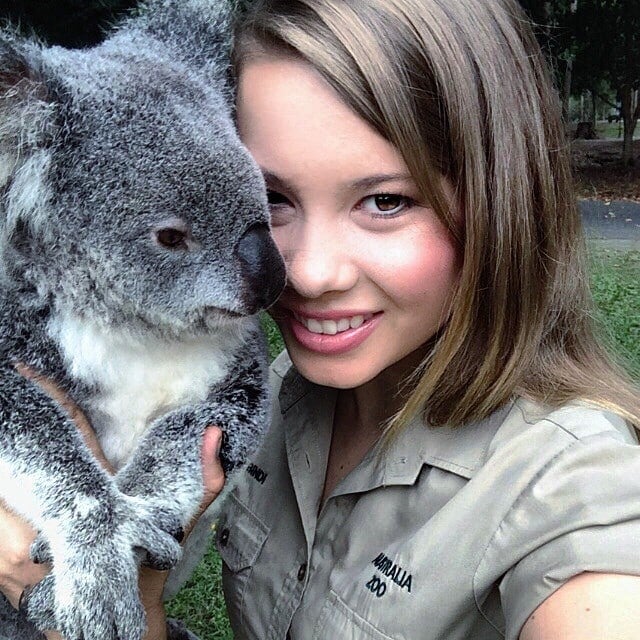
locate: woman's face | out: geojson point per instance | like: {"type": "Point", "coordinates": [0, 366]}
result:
{"type": "Point", "coordinates": [371, 270]}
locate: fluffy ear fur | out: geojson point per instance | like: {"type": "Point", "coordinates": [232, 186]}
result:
{"type": "Point", "coordinates": [199, 30]}
{"type": "Point", "coordinates": [27, 124]}
{"type": "Point", "coordinates": [26, 111]}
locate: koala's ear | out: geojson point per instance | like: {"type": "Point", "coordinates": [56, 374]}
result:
{"type": "Point", "coordinates": [200, 30]}
{"type": "Point", "coordinates": [25, 107]}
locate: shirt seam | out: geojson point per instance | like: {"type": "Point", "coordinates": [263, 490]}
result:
{"type": "Point", "coordinates": [564, 429]}
{"type": "Point", "coordinates": [294, 403]}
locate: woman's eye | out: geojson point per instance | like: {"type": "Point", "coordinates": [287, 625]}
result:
{"type": "Point", "coordinates": [385, 204]}
{"type": "Point", "coordinates": [276, 199]}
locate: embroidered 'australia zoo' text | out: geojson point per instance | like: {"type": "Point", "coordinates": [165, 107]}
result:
{"type": "Point", "coordinates": [391, 570]}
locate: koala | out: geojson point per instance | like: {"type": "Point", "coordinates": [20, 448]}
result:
{"type": "Point", "coordinates": [135, 251]}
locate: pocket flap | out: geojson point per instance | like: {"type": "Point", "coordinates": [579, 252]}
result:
{"type": "Point", "coordinates": [239, 535]}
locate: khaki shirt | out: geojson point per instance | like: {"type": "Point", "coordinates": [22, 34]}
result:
{"type": "Point", "coordinates": [450, 534]}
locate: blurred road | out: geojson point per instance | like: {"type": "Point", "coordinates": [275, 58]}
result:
{"type": "Point", "coordinates": [616, 220]}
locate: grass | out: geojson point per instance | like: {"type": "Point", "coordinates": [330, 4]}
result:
{"type": "Point", "coordinates": [200, 604]}
{"type": "Point", "coordinates": [615, 283]}
{"type": "Point", "coordinates": [616, 289]}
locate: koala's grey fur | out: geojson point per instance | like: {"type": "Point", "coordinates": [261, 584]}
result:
{"type": "Point", "coordinates": [102, 153]}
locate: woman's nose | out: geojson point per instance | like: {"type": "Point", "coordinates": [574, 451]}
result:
{"type": "Point", "coordinates": [319, 260]}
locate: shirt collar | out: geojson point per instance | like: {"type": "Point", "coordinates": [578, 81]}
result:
{"type": "Point", "coordinates": [459, 450]}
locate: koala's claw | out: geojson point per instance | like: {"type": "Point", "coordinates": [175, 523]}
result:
{"type": "Point", "coordinates": [24, 597]}
{"type": "Point", "coordinates": [178, 534]}
{"type": "Point", "coordinates": [161, 549]}
{"type": "Point", "coordinates": [159, 563]}
{"type": "Point", "coordinates": [40, 551]}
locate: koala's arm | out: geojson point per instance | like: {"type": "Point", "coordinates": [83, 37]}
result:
{"type": "Point", "coordinates": [44, 464]}
{"type": "Point", "coordinates": [166, 466]}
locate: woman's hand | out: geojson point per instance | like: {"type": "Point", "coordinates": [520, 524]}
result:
{"type": "Point", "coordinates": [16, 569]}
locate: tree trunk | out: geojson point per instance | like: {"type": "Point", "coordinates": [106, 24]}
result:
{"type": "Point", "coordinates": [566, 93]}
{"type": "Point", "coordinates": [630, 114]}
{"type": "Point", "coordinates": [566, 90]}
{"type": "Point", "coordinates": [594, 108]}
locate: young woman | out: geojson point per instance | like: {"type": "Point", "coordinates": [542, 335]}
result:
{"type": "Point", "coordinates": [449, 456]}
{"type": "Point", "coordinates": [452, 453]}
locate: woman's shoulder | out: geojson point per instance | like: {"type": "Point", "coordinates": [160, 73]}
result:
{"type": "Point", "coordinates": [573, 450]}
{"type": "Point", "coordinates": [286, 384]}
{"type": "Point", "coordinates": [543, 429]}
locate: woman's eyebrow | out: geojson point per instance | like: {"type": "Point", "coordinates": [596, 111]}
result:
{"type": "Point", "coordinates": [366, 182]}
{"type": "Point", "coordinates": [372, 181]}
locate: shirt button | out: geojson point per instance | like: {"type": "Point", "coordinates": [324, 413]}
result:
{"type": "Point", "coordinates": [224, 537]}
{"type": "Point", "coordinates": [302, 571]}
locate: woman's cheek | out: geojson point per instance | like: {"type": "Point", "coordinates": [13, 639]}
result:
{"type": "Point", "coordinates": [415, 268]}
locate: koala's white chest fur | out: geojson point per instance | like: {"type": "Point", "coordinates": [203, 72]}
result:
{"type": "Point", "coordinates": [138, 380]}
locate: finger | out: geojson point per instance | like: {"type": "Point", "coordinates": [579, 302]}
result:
{"type": "Point", "coordinates": [212, 473]}
{"type": "Point", "coordinates": [71, 409]}
{"type": "Point", "coordinates": [16, 568]}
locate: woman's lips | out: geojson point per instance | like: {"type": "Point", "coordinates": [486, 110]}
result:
{"type": "Point", "coordinates": [335, 335]}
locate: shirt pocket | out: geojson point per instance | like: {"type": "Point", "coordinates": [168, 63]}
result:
{"type": "Point", "coordinates": [240, 536]}
{"type": "Point", "coordinates": [338, 620]}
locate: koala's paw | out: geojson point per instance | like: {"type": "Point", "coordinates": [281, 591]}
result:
{"type": "Point", "coordinates": [92, 593]}
{"type": "Point", "coordinates": [177, 631]}
{"type": "Point", "coordinates": [38, 604]}
{"type": "Point", "coordinates": [160, 541]}
{"type": "Point", "coordinates": [55, 603]}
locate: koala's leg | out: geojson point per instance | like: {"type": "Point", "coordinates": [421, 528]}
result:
{"type": "Point", "coordinates": [94, 532]}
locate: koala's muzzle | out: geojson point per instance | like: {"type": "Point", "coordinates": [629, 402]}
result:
{"type": "Point", "coordinates": [262, 268]}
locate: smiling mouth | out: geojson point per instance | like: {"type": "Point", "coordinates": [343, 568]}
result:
{"type": "Point", "coordinates": [332, 336]}
{"type": "Point", "coordinates": [332, 327]}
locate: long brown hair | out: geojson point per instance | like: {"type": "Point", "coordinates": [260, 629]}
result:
{"type": "Point", "coordinates": [461, 88]}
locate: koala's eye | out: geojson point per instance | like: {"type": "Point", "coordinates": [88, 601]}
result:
{"type": "Point", "coordinates": [172, 238]}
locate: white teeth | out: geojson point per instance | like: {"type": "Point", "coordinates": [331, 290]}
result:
{"type": "Point", "coordinates": [331, 327]}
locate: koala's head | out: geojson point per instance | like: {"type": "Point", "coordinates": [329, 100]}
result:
{"type": "Point", "coordinates": [126, 195]}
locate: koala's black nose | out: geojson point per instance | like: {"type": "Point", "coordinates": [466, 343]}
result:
{"type": "Point", "coordinates": [262, 267]}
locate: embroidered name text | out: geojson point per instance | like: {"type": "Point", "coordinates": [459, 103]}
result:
{"type": "Point", "coordinates": [257, 473]}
